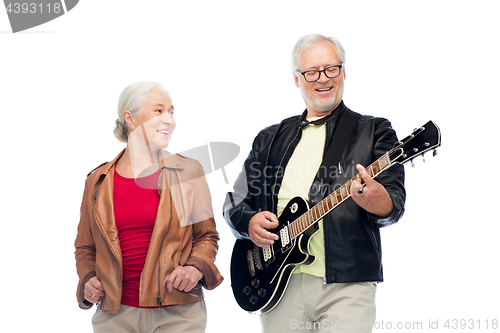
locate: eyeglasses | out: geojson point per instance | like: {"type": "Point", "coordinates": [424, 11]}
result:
{"type": "Point", "coordinates": [330, 72]}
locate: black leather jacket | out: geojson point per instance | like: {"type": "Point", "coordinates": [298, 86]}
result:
{"type": "Point", "coordinates": [352, 238]}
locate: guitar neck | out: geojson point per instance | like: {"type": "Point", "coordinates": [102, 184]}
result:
{"type": "Point", "coordinates": [328, 204]}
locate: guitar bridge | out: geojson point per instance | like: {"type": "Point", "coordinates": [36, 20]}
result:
{"type": "Point", "coordinates": [251, 265]}
{"type": "Point", "coordinates": [256, 257]}
{"type": "Point", "coordinates": [253, 260]}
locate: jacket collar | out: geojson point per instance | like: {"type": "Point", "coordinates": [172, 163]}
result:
{"type": "Point", "coordinates": [168, 161]}
{"type": "Point", "coordinates": [172, 161]}
{"type": "Point", "coordinates": [112, 163]}
{"type": "Point", "coordinates": [340, 109]}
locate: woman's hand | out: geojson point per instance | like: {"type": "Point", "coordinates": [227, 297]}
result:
{"type": "Point", "coordinates": [93, 291]}
{"type": "Point", "coordinates": [184, 278]}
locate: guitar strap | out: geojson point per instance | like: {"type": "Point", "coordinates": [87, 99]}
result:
{"type": "Point", "coordinates": [331, 158]}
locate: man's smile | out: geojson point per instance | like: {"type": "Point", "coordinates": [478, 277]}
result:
{"type": "Point", "coordinates": [324, 90]}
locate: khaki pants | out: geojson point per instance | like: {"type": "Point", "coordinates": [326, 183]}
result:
{"type": "Point", "coordinates": [190, 318]}
{"type": "Point", "coordinates": [311, 306]}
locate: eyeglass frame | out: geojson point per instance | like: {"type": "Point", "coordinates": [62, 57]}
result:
{"type": "Point", "coordinates": [321, 71]}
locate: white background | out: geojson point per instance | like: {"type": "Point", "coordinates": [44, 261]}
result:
{"type": "Point", "coordinates": [226, 64]}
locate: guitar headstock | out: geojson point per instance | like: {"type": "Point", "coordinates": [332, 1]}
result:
{"type": "Point", "coordinates": [423, 139]}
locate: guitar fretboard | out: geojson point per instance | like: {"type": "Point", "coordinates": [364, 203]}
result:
{"type": "Point", "coordinates": [326, 205]}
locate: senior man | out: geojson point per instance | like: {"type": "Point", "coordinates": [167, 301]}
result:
{"type": "Point", "coordinates": [311, 155]}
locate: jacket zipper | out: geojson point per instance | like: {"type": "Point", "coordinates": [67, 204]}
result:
{"type": "Point", "coordinates": [158, 298]}
{"type": "Point", "coordinates": [375, 239]}
{"type": "Point", "coordinates": [105, 240]}
{"type": "Point", "coordinates": [328, 134]}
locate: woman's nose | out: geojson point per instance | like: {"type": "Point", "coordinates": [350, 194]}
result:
{"type": "Point", "coordinates": [167, 119]}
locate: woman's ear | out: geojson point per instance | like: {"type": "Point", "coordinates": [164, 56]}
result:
{"type": "Point", "coordinates": [129, 119]}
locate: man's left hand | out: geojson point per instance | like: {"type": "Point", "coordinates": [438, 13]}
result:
{"type": "Point", "coordinates": [370, 194]}
{"type": "Point", "coordinates": [184, 278]}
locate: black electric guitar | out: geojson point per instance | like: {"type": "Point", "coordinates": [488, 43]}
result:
{"type": "Point", "coordinates": [259, 276]}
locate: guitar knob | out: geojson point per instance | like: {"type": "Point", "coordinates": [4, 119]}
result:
{"type": "Point", "coordinates": [262, 292]}
{"type": "Point", "coordinates": [247, 290]}
{"type": "Point", "coordinates": [253, 299]}
{"type": "Point", "coordinates": [255, 283]}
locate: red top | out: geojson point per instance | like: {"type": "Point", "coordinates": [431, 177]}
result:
{"type": "Point", "coordinates": [135, 206]}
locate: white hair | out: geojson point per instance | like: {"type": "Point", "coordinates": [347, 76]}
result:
{"type": "Point", "coordinates": [132, 98]}
{"type": "Point", "coordinates": [308, 41]}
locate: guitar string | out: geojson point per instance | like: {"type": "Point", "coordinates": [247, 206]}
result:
{"type": "Point", "coordinates": [296, 222]}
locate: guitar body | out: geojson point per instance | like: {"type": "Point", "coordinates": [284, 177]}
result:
{"type": "Point", "coordinates": [259, 276]}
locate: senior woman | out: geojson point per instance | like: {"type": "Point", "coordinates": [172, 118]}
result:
{"type": "Point", "coordinates": [146, 241]}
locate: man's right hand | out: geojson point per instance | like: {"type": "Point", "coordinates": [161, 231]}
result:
{"type": "Point", "coordinates": [257, 229]}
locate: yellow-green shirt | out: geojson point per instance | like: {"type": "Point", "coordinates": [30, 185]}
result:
{"type": "Point", "coordinates": [297, 180]}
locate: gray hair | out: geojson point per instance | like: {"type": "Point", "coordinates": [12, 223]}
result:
{"type": "Point", "coordinates": [133, 98]}
{"type": "Point", "coordinates": [308, 41]}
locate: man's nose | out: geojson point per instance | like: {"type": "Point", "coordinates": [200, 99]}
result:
{"type": "Point", "coordinates": [323, 77]}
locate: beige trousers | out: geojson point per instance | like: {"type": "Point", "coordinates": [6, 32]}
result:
{"type": "Point", "coordinates": [311, 306]}
{"type": "Point", "coordinates": [191, 318]}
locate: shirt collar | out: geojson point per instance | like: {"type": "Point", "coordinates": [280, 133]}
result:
{"type": "Point", "coordinates": [333, 115]}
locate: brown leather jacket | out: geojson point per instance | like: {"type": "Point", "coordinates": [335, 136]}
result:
{"type": "Point", "coordinates": [184, 234]}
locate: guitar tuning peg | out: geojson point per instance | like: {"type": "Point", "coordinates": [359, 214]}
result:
{"type": "Point", "coordinates": [434, 153]}
{"type": "Point", "coordinates": [412, 164]}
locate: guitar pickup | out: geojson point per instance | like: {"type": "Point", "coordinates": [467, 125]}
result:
{"type": "Point", "coordinates": [268, 254]}
{"type": "Point", "coordinates": [285, 238]}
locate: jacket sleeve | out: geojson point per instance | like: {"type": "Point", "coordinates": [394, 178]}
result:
{"type": "Point", "coordinates": [205, 235]}
{"type": "Point", "coordinates": [393, 178]}
{"type": "Point", "coordinates": [240, 205]}
{"type": "Point", "coordinates": [85, 251]}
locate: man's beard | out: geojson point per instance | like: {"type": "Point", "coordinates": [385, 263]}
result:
{"type": "Point", "coordinates": [318, 106]}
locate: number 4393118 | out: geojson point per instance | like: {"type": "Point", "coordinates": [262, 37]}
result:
{"type": "Point", "coordinates": [33, 8]}
{"type": "Point", "coordinates": [471, 324]}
